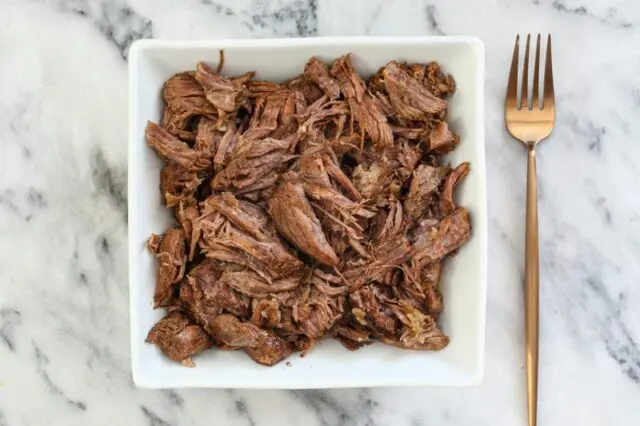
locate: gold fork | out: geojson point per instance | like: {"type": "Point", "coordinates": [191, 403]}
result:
{"type": "Point", "coordinates": [530, 121]}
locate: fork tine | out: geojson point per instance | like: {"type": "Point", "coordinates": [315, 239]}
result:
{"type": "Point", "coordinates": [548, 100]}
{"type": "Point", "coordinates": [512, 85]}
{"type": "Point", "coordinates": [524, 98]}
{"type": "Point", "coordinates": [535, 104]}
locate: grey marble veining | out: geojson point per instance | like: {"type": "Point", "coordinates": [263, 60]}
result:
{"type": "Point", "coordinates": [64, 332]}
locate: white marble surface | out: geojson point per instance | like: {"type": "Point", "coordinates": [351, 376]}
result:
{"type": "Point", "coordinates": [64, 351]}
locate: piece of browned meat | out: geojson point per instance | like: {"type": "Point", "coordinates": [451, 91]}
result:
{"type": "Point", "coordinates": [396, 322]}
{"type": "Point", "coordinates": [317, 71]}
{"type": "Point", "coordinates": [270, 258]}
{"type": "Point", "coordinates": [169, 148]}
{"type": "Point", "coordinates": [262, 346]}
{"type": "Point", "coordinates": [352, 336]}
{"type": "Point", "coordinates": [411, 133]}
{"type": "Point", "coordinates": [183, 85]}
{"type": "Point", "coordinates": [375, 182]}
{"type": "Point", "coordinates": [274, 116]}
{"type": "Point", "coordinates": [206, 295]}
{"type": "Point", "coordinates": [246, 216]}
{"type": "Point", "coordinates": [338, 176]}
{"type": "Point", "coordinates": [315, 312]}
{"type": "Point", "coordinates": [258, 88]}
{"type": "Point", "coordinates": [178, 183]}
{"type": "Point", "coordinates": [366, 110]}
{"type": "Point", "coordinates": [178, 338]}
{"type": "Point", "coordinates": [429, 278]}
{"type": "Point", "coordinates": [369, 311]}
{"type": "Point", "coordinates": [307, 91]}
{"type": "Point", "coordinates": [343, 219]}
{"type": "Point", "coordinates": [171, 256]}
{"type": "Point", "coordinates": [450, 182]}
{"type": "Point", "coordinates": [185, 100]}
{"type": "Point", "coordinates": [419, 287]}
{"type": "Point", "coordinates": [321, 112]}
{"type": "Point", "coordinates": [316, 207]}
{"type": "Point", "coordinates": [390, 223]}
{"type": "Point", "coordinates": [265, 313]}
{"type": "Point", "coordinates": [418, 330]}
{"type": "Point", "coordinates": [226, 94]}
{"type": "Point", "coordinates": [252, 160]}
{"type": "Point", "coordinates": [297, 222]}
{"type": "Point", "coordinates": [442, 140]}
{"type": "Point", "coordinates": [387, 254]}
{"type": "Point", "coordinates": [251, 284]}
{"type": "Point", "coordinates": [453, 231]}
{"type": "Point", "coordinates": [436, 81]}
{"type": "Point", "coordinates": [225, 148]}
{"type": "Point", "coordinates": [252, 242]}
{"type": "Point", "coordinates": [179, 125]}
{"type": "Point", "coordinates": [329, 283]}
{"type": "Point", "coordinates": [408, 157]}
{"type": "Point", "coordinates": [343, 212]}
{"type": "Point", "coordinates": [370, 116]}
{"type": "Point", "coordinates": [186, 214]}
{"type": "Point", "coordinates": [351, 85]}
{"type": "Point", "coordinates": [424, 184]}
{"type": "Point", "coordinates": [153, 243]}
{"type": "Point", "coordinates": [381, 182]}
{"type": "Point", "coordinates": [208, 137]}
{"type": "Point", "coordinates": [410, 99]}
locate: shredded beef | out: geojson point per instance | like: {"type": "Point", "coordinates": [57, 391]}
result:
{"type": "Point", "coordinates": [442, 140]}
{"type": "Point", "coordinates": [169, 148]}
{"type": "Point", "coordinates": [185, 101]}
{"type": "Point", "coordinates": [437, 82]}
{"type": "Point", "coordinates": [352, 336]}
{"type": "Point", "coordinates": [449, 187]}
{"type": "Point", "coordinates": [206, 295]}
{"type": "Point", "coordinates": [153, 243]}
{"type": "Point", "coordinates": [186, 214]}
{"type": "Point", "coordinates": [252, 160]}
{"type": "Point", "coordinates": [251, 284]}
{"type": "Point", "coordinates": [351, 85]}
{"type": "Point", "coordinates": [418, 330]}
{"type": "Point", "coordinates": [317, 71]}
{"type": "Point", "coordinates": [171, 255]}
{"type": "Point", "coordinates": [297, 222]}
{"type": "Point", "coordinates": [370, 116]}
{"type": "Point", "coordinates": [178, 183]}
{"type": "Point", "coordinates": [225, 94]}
{"type": "Point", "coordinates": [451, 233]}
{"type": "Point", "coordinates": [309, 91]}
{"type": "Point", "coordinates": [424, 184]}
{"type": "Point", "coordinates": [178, 338]}
{"type": "Point", "coordinates": [315, 312]}
{"type": "Point", "coordinates": [264, 347]}
{"type": "Point", "coordinates": [265, 313]}
{"type": "Point", "coordinates": [312, 208]}
{"type": "Point", "coordinates": [208, 137]}
{"type": "Point", "coordinates": [410, 99]}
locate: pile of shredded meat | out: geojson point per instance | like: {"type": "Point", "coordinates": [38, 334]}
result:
{"type": "Point", "coordinates": [317, 207]}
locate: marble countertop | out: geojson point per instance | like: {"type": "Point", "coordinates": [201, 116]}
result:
{"type": "Point", "coordinates": [64, 322]}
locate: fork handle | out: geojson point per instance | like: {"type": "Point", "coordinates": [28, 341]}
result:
{"type": "Point", "coordinates": [532, 287]}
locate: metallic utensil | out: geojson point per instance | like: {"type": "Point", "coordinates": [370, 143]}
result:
{"type": "Point", "coordinates": [531, 120]}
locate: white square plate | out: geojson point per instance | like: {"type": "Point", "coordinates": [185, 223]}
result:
{"type": "Point", "coordinates": [329, 365]}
